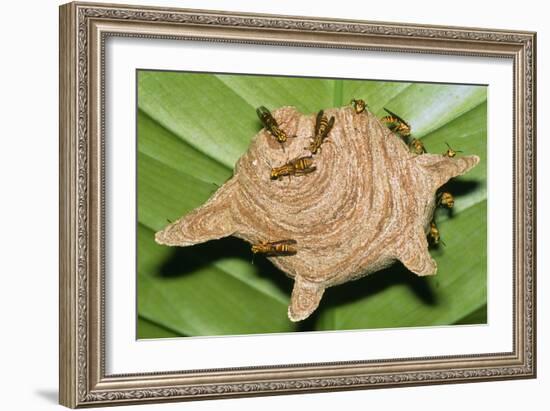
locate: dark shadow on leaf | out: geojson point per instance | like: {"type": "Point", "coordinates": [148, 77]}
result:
{"type": "Point", "coordinates": [478, 316]}
{"type": "Point", "coordinates": [369, 286]}
{"type": "Point", "coordinates": [459, 187]}
{"type": "Point", "coordinates": [449, 212]}
{"type": "Point", "coordinates": [185, 260]}
{"type": "Point", "coordinates": [437, 247]}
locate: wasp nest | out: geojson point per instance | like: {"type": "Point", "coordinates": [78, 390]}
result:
{"type": "Point", "coordinates": [369, 202]}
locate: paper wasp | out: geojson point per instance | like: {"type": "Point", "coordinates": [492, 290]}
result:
{"type": "Point", "coordinates": [358, 105]}
{"type": "Point", "coordinates": [295, 167]}
{"type": "Point", "coordinates": [416, 146]}
{"type": "Point", "coordinates": [396, 124]}
{"type": "Point", "coordinates": [446, 199]}
{"type": "Point", "coordinates": [322, 128]}
{"type": "Point", "coordinates": [433, 234]}
{"type": "Point", "coordinates": [271, 125]}
{"type": "Point", "coordinates": [450, 152]}
{"type": "Point", "coordinates": [276, 248]}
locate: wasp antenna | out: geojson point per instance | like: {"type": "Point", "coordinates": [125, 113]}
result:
{"type": "Point", "coordinates": [170, 221]}
{"type": "Point", "coordinates": [396, 116]}
{"type": "Point", "coordinates": [391, 113]}
{"type": "Point", "coordinates": [442, 242]}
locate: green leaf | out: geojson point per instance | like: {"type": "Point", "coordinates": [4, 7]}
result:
{"type": "Point", "coordinates": [377, 94]}
{"type": "Point", "coordinates": [478, 316]}
{"type": "Point", "coordinates": [468, 134]}
{"type": "Point", "coordinates": [193, 127]}
{"type": "Point", "coordinates": [428, 107]}
{"type": "Point", "coordinates": [164, 194]}
{"type": "Point", "coordinates": [193, 295]}
{"type": "Point", "coordinates": [160, 144]}
{"type": "Point", "coordinates": [397, 298]}
{"type": "Point", "coordinates": [149, 329]}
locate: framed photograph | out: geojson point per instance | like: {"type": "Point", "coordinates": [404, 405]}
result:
{"type": "Point", "coordinates": [260, 204]}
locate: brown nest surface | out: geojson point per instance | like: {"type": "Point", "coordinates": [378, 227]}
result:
{"type": "Point", "coordinates": [368, 204]}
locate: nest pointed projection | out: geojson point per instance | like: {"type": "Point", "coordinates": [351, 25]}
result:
{"type": "Point", "coordinates": [368, 203]}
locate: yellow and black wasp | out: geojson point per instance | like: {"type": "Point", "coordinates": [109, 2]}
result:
{"type": "Point", "coordinates": [271, 125]}
{"type": "Point", "coordinates": [396, 124]}
{"type": "Point", "coordinates": [445, 199]}
{"type": "Point", "coordinates": [358, 105]}
{"type": "Point", "coordinates": [416, 146]}
{"type": "Point", "coordinates": [295, 167]}
{"type": "Point", "coordinates": [322, 128]}
{"type": "Point", "coordinates": [433, 235]}
{"type": "Point", "coordinates": [275, 248]}
{"type": "Point", "coordinates": [450, 152]}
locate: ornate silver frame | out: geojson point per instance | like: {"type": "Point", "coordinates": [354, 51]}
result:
{"type": "Point", "coordinates": [83, 30]}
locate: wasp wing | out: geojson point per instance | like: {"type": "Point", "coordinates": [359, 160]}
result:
{"type": "Point", "coordinates": [295, 160]}
{"type": "Point", "coordinates": [391, 113]}
{"type": "Point", "coordinates": [328, 127]}
{"type": "Point", "coordinates": [285, 242]}
{"type": "Point", "coordinates": [306, 170]}
{"type": "Point", "coordinates": [266, 118]}
{"type": "Point", "coordinates": [318, 121]}
{"type": "Point", "coordinates": [263, 114]}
